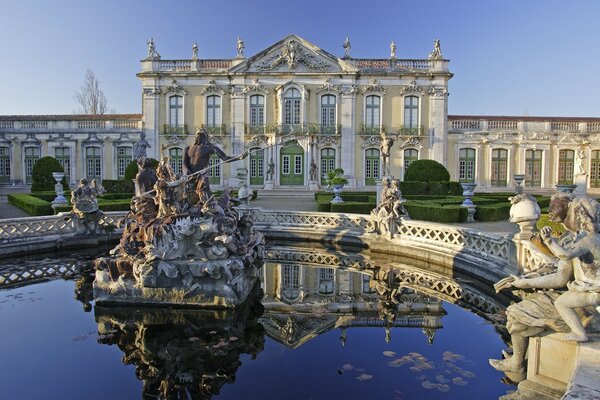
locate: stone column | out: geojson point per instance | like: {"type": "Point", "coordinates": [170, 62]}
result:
{"type": "Point", "coordinates": [438, 126]}
{"type": "Point", "coordinates": [151, 118]}
{"type": "Point", "coordinates": [237, 133]}
{"type": "Point", "coordinates": [347, 148]}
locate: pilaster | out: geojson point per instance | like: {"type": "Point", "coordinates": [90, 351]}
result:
{"type": "Point", "coordinates": [347, 148]}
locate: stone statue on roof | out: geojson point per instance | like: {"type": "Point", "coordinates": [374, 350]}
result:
{"type": "Point", "coordinates": [346, 47]}
{"type": "Point", "coordinates": [195, 51]}
{"type": "Point", "coordinates": [240, 47]}
{"type": "Point", "coordinates": [152, 53]}
{"type": "Point", "coordinates": [393, 50]}
{"type": "Point", "coordinates": [437, 50]}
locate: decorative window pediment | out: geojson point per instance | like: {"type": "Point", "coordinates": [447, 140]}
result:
{"type": "Point", "coordinates": [256, 86]}
{"type": "Point", "coordinates": [413, 88]}
{"type": "Point", "coordinates": [175, 87]}
{"type": "Point", "coordinates": [373, 86]}
{"type": "Point", "coordinates": [329, 87]}
{"type": "Point", "coordinates": [213, 88]}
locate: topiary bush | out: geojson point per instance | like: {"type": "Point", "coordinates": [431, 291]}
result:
{"type": "Point", "coordinates": [132, 169]}
{"type": "Point", "coordinates": [118, 186]}
{"type": "Point", "coordinates": [41, 175]}
{"type": "Point", "coordinates": [426, 171]}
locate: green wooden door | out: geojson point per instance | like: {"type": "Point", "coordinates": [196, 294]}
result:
{"type": "Point", "coordinates": [291, 171]}
{"type": "Point", "coordinates": [594, 169]}
{"type": "Point", "coordinates": [4, 164]}
{"type": "Point", "coordinates": [214, 174]}
{"type": "Point", "coordinates": [327, 163]}
{"type": "Point", "coordinates": [566, 161]}
{"type": "Point", "coordinates": [372, 167]}
{"type": "Point", "coordinates": [499, 167]}
{"type": "Point", "coordinates": [533, 168]}
{"type": "Point", "coordinates": [257, 167]}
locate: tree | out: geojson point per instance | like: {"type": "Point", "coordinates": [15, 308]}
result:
{"type": "Point", "coordinates": [90, 97]}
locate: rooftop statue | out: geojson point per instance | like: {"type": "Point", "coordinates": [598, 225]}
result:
{"type": "Point", "coordinates": [240, 47]}
{"type": "Point", "coordinates": [437, 50]}
{"type": "Point", "coordinates": [152, 53]}
{"type": "Point", "coordinates": [182, 247]}
{"type": "Point", "coordinates": [575, 281]}
{"type": "Point", "coordinates": [346, 47]}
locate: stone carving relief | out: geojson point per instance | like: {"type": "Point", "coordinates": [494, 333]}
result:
{"type": "Point", "coordinates": [412, 88]}
{"type": "Point", "coordinates": [257, 141]}
{"type": "Point", "coordinates": [371, 141]}
{"type": "Point", "coordinates": [175, 87]}
{"type": "Point", "coordinates": [437, 91]}
{"type": "Point", "coordinates": [328, 140]}
{"type": "Point", "coordinates": [329, 87]}
{"type": "Point", "coordinates": [350, 90]}
{"type": "Point", "coordinates": [291, 55]}
{"type": "Point", "coordinates": [256, 86]}
{"type": "Point", "coordinates": [151, 92]}
{"type": "Point", "coordinates": [373, 86]}
{"type": "Point", "coordinates": [212, 87]}
{"type": "Point", "coordinates": [412, 142]}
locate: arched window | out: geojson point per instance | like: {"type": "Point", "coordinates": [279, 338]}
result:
{"type": "Point", "coordinates": [410, 156]}
{"type": "Point", "coordinates": [93, 162]}
{"type": "Point", "coordinates": [257, 110]}
{"type": "Point", "coordinates": [175, 114]}
{"type": "Point", "coordinates": [466, 165]}
{"type": "Point", "coordinates": [213, 111]}
{"type": "Point", "coordinates": [290, 282]}
{"type": "Point", "coordinates": [327, 163]}
{"type": "Point", "coordinates": [372, 166]}
{"type": "Point", "coordinates": [176, 160]}
{"type": "Point", "coordinates": [411, 114]}
{"type": "Point", "coordinates": [328, 120]}
{"type": "Point", "coordinates": [499, 167]}
{"type": "Point", "coordinates": [566, 159]}
{"type": "Point", "coordinates": [32, 154]}
{"type": "Point", "coordinates": [291, 107]}
{"type": "Point", "coordinates": [372, 114]}
{"type": "Point", "coordinates": [63, 156]}
{"type": "Point", "coordinates": [4, 164]}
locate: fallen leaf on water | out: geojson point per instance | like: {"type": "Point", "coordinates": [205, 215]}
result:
{"type": "Point", "coordinates": [443, 388]}
{"type": "Point", "coordinates": [428, 384]}
{"type": "Point", "coordinates": [193, 339]}
{"type": "Point", "coordinates": [347, 367]}
{"type": "Point", "coordinates": [459, 381]}
{"type": "Point", "coordinates": [389, 353]}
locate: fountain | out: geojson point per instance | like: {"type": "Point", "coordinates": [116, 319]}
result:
{"type": "Point", "coordinates": [181, 246]}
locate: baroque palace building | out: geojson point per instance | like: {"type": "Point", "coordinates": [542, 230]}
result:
{"type": "Point", "coordinates": [293, 105]}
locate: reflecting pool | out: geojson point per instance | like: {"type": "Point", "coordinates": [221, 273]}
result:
{"type": "Point", "coordinates": [353, 329]}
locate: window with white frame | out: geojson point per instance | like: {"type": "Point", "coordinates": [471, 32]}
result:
{"type": "Point", "coordinates": [372, 111]}
{"type": "Point", "coordinates": [63, 156]}
{"type": "Point", "coordinates": [176, 160]}
{"type": "Point", "coordinates": [93, 162]}
{"type": "Point", "coordinates": [4, 164]}
{"type": "Point", "coordinates": [124, 157]}
{"type": "Point", "coordinates": [466, 165]}
{"type": "Point", "coordinates": [411, 112]}
{"type": "Point", "coordinates": [328, 114]}
{"type": "Point", "coordinates": [257, 110]}
{"type": "Point", "coordinates": [291, 107]}
{"type": "Point", "coordinates": [410, 156]}
{"type": "Point", "coordinates": [372, 166]}
{"type": "Point", "coordinates": [32, 154]}
{"type": "Point", "coordinates": [176, 111]}
{"type": "Point", "coordinates": [213, 111]}
{"type": "Point", "coordinates": [326, 280]}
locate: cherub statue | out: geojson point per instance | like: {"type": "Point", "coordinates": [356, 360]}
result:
{"type": "Point", "coordinates": [578, 252]}
{"type": "Point", "coordinates": [346, 47]}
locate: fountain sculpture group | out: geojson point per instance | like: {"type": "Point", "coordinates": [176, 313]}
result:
{"type": "Point", "coordinates": [180, 244]}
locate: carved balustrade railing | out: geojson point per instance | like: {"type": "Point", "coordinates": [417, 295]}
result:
{"type": "Point", "coordinates": [21, 274]}
{"type": "Point", "coordinates": [465, 124]}
{"type": "Point", "coordinates": [503, 125]}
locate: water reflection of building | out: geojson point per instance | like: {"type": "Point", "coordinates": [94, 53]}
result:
{"type": "Point", "coordinates": [303, 301]}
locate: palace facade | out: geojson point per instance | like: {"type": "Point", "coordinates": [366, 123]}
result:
{"type": "Point", "coordinates": [294, 105]}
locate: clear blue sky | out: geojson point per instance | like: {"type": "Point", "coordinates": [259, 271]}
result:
{"type": "Point", "coordinates": [509, 57]}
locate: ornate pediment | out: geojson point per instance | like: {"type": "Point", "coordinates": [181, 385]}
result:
{"type": "Point", "coordinates": [175, 87]}
{"type": "Point", "coordinates": [212, 87]}
{"type": "Point", "coordinates": [293, 54]}
{"type": "Point", "coordinates": [373, 86]}
{"type": "Point", "coordinates": [412, 88]}
{"type": "Point", "coordinates": [256, 86]}
{"type": "Point", "coordinates": [329, 87]}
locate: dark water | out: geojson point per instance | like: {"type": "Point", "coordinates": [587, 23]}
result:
{"type": "Point", "coordinates": [295, 347]}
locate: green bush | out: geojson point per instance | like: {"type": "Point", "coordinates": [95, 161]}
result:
{"type": "Point", "coordinates": [30, 204]}
{"type": "Point", "coordinates": [426, 171]}
{"type": "Point", "coordinates": [454, 188]}
{"type": "Point", "coordinates": [353, 207]}
{"type": "Point", "coordinates": [492, 212]}
{"type": "Point", "coordinates": [324, 207]}
{"type": "Point", "coordinates": [41, 174]}
{"type": "Point", "coordinates": [557, 228]}
{"type": "Point", "coordinates": [132, 169]}
{"type": "Point", "coordinates": [118, 186]}
{"type": "Point", "coordinates": [429, 211]}
{"type": "Point", "coordinates": [116, 196]}
{"type": "Point", "coordinates": [413, 187]}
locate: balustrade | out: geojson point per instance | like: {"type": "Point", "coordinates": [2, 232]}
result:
{"type": "Point", "coordinates": [370, 130]}
{"type": "Point", "coordinates": [593, 126]}
{"type": "Point", "coordinates": [570, 126]}
{"type": "Point", "coordinates": [503, 125]}
{"type": "Point", "coordinates": [215, 130]}
{"type": "Point", "coordinates": [126, 124]}
{"type": "Point", "coordinates": [8, 125]}
{"type": "Point", "coordinates": [409, 131]}
{"type": "Point", "coordinates": [175, 65]}
{"type": "Point", "coordinates": [36, 125]}
{"type": "Point", "coordinates": [465, 124]}
{"type": "Point", "coordinates": [91, 124]}
{"type": "Point", "coordinates": [175, 129]}
{"type": "Point", "coordinates": [413, 64]}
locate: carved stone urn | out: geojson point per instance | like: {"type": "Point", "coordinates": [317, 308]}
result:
{"type": "Point", "coordinates": [337, 191]}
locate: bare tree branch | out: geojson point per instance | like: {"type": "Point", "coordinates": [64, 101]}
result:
{"type": "Point", "coordinates": [90, 97]}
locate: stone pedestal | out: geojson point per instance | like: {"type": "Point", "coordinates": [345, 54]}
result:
{"type": "Point", "coordinates": [313, 185]}
{"type": "Point", "coordinates": [60, 199]}
{"type": "Point", "coordinates": [269, 185]}
{"type": "Point", "coordinates": [581, 182]}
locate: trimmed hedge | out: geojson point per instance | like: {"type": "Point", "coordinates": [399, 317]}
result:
{"type": "Point", "coordinates": [429, 211]}
{"type": "Point", "coordinates": [116, 196]}
{"type": "Point", "coordinates": [41, 174]}
{"type": "Point", "coordinates": [430, 188]}
{"type": "Point", "coordinates": [30, 204]}
{"type": "Point", "coordinates": [426, 171]}
{"type": "Point", "coordinates": [493, 212]}
{"type": "Point", "coordinates": [353, 207]}
{"type": "Point", "coordinates": [118, 186]}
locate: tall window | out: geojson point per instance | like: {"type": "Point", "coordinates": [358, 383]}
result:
{"type": "Point", "coordinates": [214, 173]}
{"type": "Point", "coordinates": [594, 169]}
{"type": "Point", "coordinates": [124, 157]}
{"type": "Point", "coordinates": [466, 165]}
{"type": "Point", "coordinates": [63, 156]}
{"type": "Point", "coordinates": [32, 154]}
{"type": "Point", "coordinates": [566, 159]}
{"type": "Point", "coordinates": [366, 285]}
{"type": "Point", "coordinates": [411, 112]}
{"type": "Point", "coordinates": [175, 111]}
{"type": "Point", "coordinates": [291, 107]}
{"type": "Point", "coordinates": [4, 164]}
{"type": "Point", "coordinates": [533, 168]}
{"type": "Point", "coordinates": [257, 110]}
{"type": "Point", "coordinates": [328, 114]}
{"type": "Point", "coordinates": [373, 114]}
{"type": "Point", "coordinates": [290, 284]}
{"type": "Point", "coordinates": [326, 280]}
{"type": "Point", "coordinates": [93, 162]}
{"type": "Point", "coordinates": [327, 163]}
{"type": "Point", "coordinates": [213, 111]}
{"type": "Point", "coordinates": [176, 155]}
{"type": "Point", "coordinates": [499, 166]}
{"type": "Point", "coordinates": [410, 156]}
{"type": "Point", "coordinates": [372, 167]}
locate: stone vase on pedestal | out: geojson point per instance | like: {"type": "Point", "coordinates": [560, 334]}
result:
{"type": "Point", "coordinates": [337, 191]}
{"type": "Point", "coordinates": [519, 178]}
{"type": "Point", "coordinates": [60, 199]}
{"type": "Point", "coordinates": [468, 189]}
